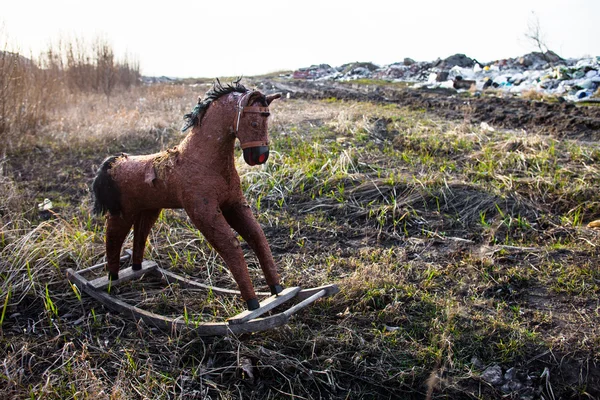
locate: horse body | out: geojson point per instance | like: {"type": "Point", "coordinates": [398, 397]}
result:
{"type": "Point", "coordinates": [198, 175]}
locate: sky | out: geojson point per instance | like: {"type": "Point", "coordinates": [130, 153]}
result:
{"type": "Point", "coordinates": [244, 38]}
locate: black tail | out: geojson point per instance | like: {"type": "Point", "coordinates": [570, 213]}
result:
{"type": "Point", "coordinates": [107, 196]}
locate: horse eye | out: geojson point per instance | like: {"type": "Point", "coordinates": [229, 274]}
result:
{"type": "Point", "coordinates": [254, 124]}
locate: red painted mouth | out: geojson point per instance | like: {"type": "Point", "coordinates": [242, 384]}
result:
{"type": "Point", "coordinates": [256, 155]}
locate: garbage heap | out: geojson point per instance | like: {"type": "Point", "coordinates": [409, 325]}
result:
{"type": "Point", "coordinates": [544, 73]}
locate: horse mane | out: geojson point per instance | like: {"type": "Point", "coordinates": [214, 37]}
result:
{"type": "Point", "coordinates": [218, 90]}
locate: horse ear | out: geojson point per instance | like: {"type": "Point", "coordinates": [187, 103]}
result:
{"type": "Point", "coordinates": [272, 97]}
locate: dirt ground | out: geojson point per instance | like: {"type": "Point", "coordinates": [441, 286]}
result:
{"type": "Point", "coordinates": [504, 111]}
{"type": "Point", "coordinates": [561, 120]}
{"type": "Point", "coordinates": [423, 312]}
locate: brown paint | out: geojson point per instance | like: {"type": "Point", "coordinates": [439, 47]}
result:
{"type": "Point", "coordinates": [199, 176]}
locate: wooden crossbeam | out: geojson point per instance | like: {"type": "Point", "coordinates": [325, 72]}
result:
{"type": "Point", "coordinates": [265, 305]}
{"type": "Point", "coordinates": [330, 290]}
{"type": "Point", "coordinates": [171, 277]}
{"type": "Point", "coordinates": [123, 258]}
{"type": "Point", "coordinates": [125, 275]}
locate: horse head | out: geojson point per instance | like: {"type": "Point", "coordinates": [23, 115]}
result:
{"type": "Point", "coordinates": [251, 126]}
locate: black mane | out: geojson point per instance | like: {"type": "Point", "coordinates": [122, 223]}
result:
{"type": "Point", "coordinates": [218, 90]}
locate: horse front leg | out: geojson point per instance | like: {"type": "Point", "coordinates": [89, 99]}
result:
{"type": "Point", "coordinates": [241, 218]}
{"type": "Point", "coordinates": [141, 229]}
{"type": "Point", "coordinates": [210, 221]}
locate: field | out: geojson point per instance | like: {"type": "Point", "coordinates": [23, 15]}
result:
{"type": "Point", "coordinates": [455, 227]}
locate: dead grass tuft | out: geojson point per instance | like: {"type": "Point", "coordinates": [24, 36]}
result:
{"type": "Point", "coordinates": [533, 95]}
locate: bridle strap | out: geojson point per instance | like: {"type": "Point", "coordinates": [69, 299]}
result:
{"type": "Point", "coordinates": [247, 109]}
{"type": "Point", "coordinates": [254, 144]}
{"type": "Point", "coordinates": [255, 109]}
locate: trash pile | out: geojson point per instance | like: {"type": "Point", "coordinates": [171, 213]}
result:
{"type": "Point", "coordinates": [544, 73]}
{"type": "Point", "coordinates": [147, 80]}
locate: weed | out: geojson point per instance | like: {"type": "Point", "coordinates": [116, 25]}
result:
{"type": "Point", "coordinates": [5, 306]}
{"type": "Point", "coordinates": [49, 305]}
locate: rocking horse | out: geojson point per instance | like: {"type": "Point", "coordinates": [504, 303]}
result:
{"type": "Point", "coordinates": [199, 176]}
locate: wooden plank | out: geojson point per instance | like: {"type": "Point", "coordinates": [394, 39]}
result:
{"type": "Point", "coordinates": [265, 305]}
{"type": "Point", "coordinates": [123, 258]}
{"type": "Point", "coordinates": [71, 276]}
{"type": "Point", "coordinates": [256, 325]}
{"type": "Point", "coordinates": [171, 277]}
{"type": "Point", "coordinates": [329, 289]}
{"type": "Point", "coordinates": [305, 302]}
{"type": "Point", "coordinates": [124, 275]}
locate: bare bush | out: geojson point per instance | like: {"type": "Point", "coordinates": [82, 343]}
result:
{"type": "Point", "coordinates": [106, 69]}
{"type": "Point", "coordinates": [33, 88]}
{"type": "Point", "coordinates": [535, 35]}
{"type": "Point", "coordinates": [80, 67]}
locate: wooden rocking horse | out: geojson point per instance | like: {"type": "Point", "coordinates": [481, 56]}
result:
{"type": "Point", "coordinates": [199, 176]}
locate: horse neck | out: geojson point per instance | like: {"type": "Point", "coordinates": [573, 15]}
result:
{"type": "Point", "coordinates": [210, 144]}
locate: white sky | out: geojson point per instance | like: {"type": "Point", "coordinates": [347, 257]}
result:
{"type": "Point", "coordinates": [202, 38]}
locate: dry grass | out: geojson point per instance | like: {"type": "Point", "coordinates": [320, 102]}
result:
{"type": "Point", "coordinates": [456, 248]}
{"type": "Point", "coordinates": [34, 90]}
{"type": "Point", "coordinates": [532, 95]}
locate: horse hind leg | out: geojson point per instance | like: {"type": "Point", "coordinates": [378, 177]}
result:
{"type": "Point", "coordinates": [141, 229]}
{"type": "Point", "coordinates": [117, 229]}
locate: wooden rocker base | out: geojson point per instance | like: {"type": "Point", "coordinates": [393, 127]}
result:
{"type": "Point", "coordinates": [245, 322]}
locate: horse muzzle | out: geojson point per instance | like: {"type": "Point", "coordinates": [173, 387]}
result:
{"type": "Point", "coordinates": [256, 155]}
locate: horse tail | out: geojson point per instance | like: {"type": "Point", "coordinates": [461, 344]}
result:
{"type": "Point", "coordinates": [107, 195]}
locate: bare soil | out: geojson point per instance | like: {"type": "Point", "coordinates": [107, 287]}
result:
{"type": "Point", "coordinates": [424, 310]}
{"type": "Point", "coordinates": [504, 111]}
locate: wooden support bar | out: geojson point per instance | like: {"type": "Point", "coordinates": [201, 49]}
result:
{"type": "Point", "coordinates": [265, 305]}
{"type": "Point", "coordinates": [305, 302]}
{"type": "Point", "coordinates": [124, 275]}
{"type": "Point", "coordinates": [73, 277]}
{"type": "Point", "coordinates": [170, 277]}
{"type": "Point", "coordinates": [330, 290]}
{"type": "Point", "coordinates": [125, 257]}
